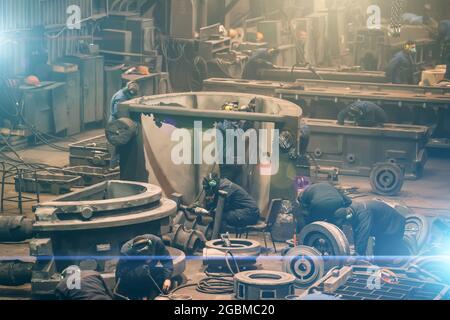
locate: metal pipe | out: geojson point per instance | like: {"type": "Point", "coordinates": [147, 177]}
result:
{"type": "Point", "coordinates": [219, 214]}
{"type": "Point", "coordinates": [15, 228]}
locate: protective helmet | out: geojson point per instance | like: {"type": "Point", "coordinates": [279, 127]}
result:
{"type": "Point", "coordinates": [143, 245]}
{"type": "Point", "coordinates": [32, 81]}
{"type": "Point", "coordinates": [355, 111]}
{"type": "Point", "coordinates": [211, 183]}
{"type": "Point", "coordinates": [230, 106]}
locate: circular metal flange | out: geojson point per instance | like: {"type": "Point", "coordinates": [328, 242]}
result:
{"type": "Point", "coordinates": [263, 285]}
{"type": "Point", "coordinates": [418, 227]}
{"type": "Point", "coordinates": [238, 246]}
{"type": "Point", "coordinates": [306, 264]}
{"type": "Point", "coordinates": [120, 132]}
{"type": "Point", "coordinates": [386, 179]}
{"type": "Point", "coordinates": [329, 240]}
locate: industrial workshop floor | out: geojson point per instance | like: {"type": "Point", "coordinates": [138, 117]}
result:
{"type": "Point", "coordinates": [427, 196]}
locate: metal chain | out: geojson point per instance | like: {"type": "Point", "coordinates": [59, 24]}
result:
{"type": "Point", "coordinates": [396, 18]}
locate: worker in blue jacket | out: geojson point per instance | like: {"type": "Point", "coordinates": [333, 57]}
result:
{"type": "Point", "coordinates": [377, 219]}
{"type": "Point", "coordinates": [130, 91]}
{"type": "Point", "coordinates": [402, 66]}
{"type": "Point", "coordinates": [260, 59]}
{"type": "Point", "coordinates": [364, 114]}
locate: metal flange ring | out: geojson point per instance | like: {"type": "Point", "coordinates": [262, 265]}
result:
{"type": "Point", "coordinates": [305, 264]}
{"type": "Point", "coordinates": [329, 240]}
{"type": "Point", "coordinates": [263, 285]}
{"type": "Point", "coordinates": [238, 246]}
{"type": "Point", "coordinates": [386, 179]}
{"type": "Point", "coordinates": [418, 227]}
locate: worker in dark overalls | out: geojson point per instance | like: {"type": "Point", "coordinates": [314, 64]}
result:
{"type": "Point", "coordinates": [240, 209]}
{"type": "Point", "coordinates": [364, 114]}
{"type": "Point", "coordinates": [319, 202]}
{"type": "Point", "coordinates": [130, 91]}
{"type": "Point", "coordinates": [260, 59]}
{"type": "Point", "coordinates": [402, 66]}
{"type": "Point", "coordinates": [90, 285]}
{"type": "Point", "coordinates": [234, 171]}
{"type": "Point", "coordinates": [377, 219]}
{"type": "Point", "coordinates": [144, 269]}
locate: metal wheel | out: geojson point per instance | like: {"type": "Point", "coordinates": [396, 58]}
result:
{"type": "Point", "coordinates": [386, 179]}
{"type": "Point", "coordinates": [329, 240]}
{"type": "Point", "coordinates": [419, 228]}
{"type": "Point", "coordinates": [305, 264]}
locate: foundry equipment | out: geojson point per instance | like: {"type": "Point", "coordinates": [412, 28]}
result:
{"type": "Point", "coordinates": [263, 285]}
{"type": "Point", "coordinates": [88, 228]}
{"type": "Point", "coordinates": [157, 117]}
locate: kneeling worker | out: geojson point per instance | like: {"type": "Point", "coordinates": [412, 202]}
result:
{"type": "Point", "coordinates": [82, 285]}
{"type": "Point", "coordinates": [144, 269]}
{"type": "Point", "coordinates": [364, 113]}
{"type": "Point", "coordinates": [240, 209]}
{"type": "Point", "coordinates": [374, 218]}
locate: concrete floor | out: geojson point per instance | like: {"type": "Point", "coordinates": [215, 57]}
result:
{"type": "Point", "coordinates": [427, 196]}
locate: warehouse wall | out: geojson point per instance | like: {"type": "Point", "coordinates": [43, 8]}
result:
{"type": "Point", "coordinates": [27, 24]}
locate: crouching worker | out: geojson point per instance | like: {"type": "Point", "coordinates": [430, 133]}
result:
{"type": "Point", "coordinates": [374, 219]}
{"type": "Point", "coordinates": [144, 269]}
{"type": "Point", "coordinates": [240, 209]}
{"type": "Point", "coordinates": [364, 114]}
{"type": "Point", "coordinates": [319, 202]}
{"type": "Point", "coordinates": [82, 285]}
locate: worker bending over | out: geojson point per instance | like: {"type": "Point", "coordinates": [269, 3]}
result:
{"type": "Point", "coordinates": [364, 114]}
{"type": "Point", "coordinates": [319, 202]}
{"type": "Point", "coordinates": [130, 91]}
{"type": "Point", "coordinates": [402, 66]}
{"type": "Point", "coordinates": [82, 285]}
{"type": "Point", "coordinates": [374, 218]}
{"type": "Point", "coordinates": [240, 209]}
{"type": "Point", "coordinates": [260, 59]}
{"type": "Point", "coordinates": [144, 269]}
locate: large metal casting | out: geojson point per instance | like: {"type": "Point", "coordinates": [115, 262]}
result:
{"type": "Point", "coordinates": [88, 227]}
{"type": "Point", "coordinates": [358, 150]}
{"type": "Point", "coordinates": [158, 116]}
{"type": "Point", "coordinates": [244, 251]}
{"type": "Point", "coordinates": [321, 99]}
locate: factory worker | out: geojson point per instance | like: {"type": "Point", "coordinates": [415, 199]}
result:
{"type": "Point", "coordinates": [377, 219]}
{"type": "Point", "coordinates": [240, 209]}
{"type": "Point", "coordinates": [364, 114]}
{"type": "Point", "coordinates": [401, 68]}
{"type": "Point", "coordinates": [144, 269]}
{"type": "Point", "coordinates": [260, 59]}
{"type": "Point", "coordinates": [82, 285]}
{"type": "Point", "coordinates": [319, 202]}
{"type": "Point", "coordinates": [130, 91]}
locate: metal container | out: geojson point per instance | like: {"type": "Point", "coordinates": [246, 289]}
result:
{"type": "Point", "coordinates": [88, 228]}
{"type": "Point", "coordinates": [90, 152]}
{"type": "Point", "coordinates": [356, 150]}
{"type": "Point", "coordinates": [92, 175]}
{"type": "Point", "coordinates": [46, 183]}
